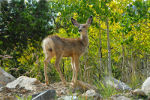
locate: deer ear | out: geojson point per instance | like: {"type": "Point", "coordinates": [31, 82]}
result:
{"type": "Point", "coordinates": [90, 20]}
{"type": "Point", "coordinates": [74, 22]}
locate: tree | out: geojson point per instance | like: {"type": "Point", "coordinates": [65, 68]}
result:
{"type": "Point", "coordinates": [23, 22]}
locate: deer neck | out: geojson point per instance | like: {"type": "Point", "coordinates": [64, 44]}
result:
{"type": "Point", "coordinates": [84, 38]}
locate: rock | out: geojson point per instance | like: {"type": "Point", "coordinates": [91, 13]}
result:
{"type": "Point", "coordinates": [68, 98]}
{"type": "Point", "coordinates": [75, 94]}
{"type": "Point", "coordinates": [120, 98]}
{"type": "Point", "coordinates": [5, 77]}
{"type": "Point", "coordinates": [146, 86]}
{"type": "Point", "coordinates": [92, 93]}
{"type": "Point", "coordinates": [116, 84]}
{"type": "Point", "coordinates": [1, 85]}
{"type": "Point", "coordinates": [1, 89]}
{"type": "Point", "coordinates": [34, 95]}
{"type": "Point", "coordinates": [138, 92]}
{"type": "Point", "coordinates": [46, 95]}
{"type": "Point", "coordinates": [23, 82]}
{"type": "Point", "coordinates": [61, 91]}
{"type": "Point", "coordinates": [89, 93]}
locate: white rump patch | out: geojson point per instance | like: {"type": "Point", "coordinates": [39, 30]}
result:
{"type": "Point", "coordinates": [47, 44]}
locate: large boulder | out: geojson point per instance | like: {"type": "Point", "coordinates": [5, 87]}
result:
{"type": "Point", "coordinates": [45, 95]}
{"type": "Point", "coordinates": [5, 77]}
{"type": "Point", "coordinates": [24, 82]}
{"type": "Point", "coordinates": [146, 86]}
{"type": "Point", "coordinates": [145, 89]}
{"type": "Point", "coordinates": [138, 92]}
{"type": "Point", "coordinates": [117, 84]}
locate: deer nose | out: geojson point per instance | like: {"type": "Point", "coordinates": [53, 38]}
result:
{"type": "Point", "coordinates": [80, 30]}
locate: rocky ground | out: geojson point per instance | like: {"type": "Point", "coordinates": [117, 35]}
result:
{"type": "Point", "coordinates": [24, 87]}
{"type": "Point", "coordinates": [6, 92]}
{"type": "Point", "coordinates": [63, 92]}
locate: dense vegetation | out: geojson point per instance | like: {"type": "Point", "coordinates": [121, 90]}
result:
{"type": "Point", "coordinates": [24, 23]}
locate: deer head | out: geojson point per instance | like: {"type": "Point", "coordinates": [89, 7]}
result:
{"type": "Point", "coordinates": [82, 28]}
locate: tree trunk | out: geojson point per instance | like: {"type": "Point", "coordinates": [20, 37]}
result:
{"type": "Point", "coordinates": [123, 67]}
{"type": "Point", "coordinates": [148, 67]}
{"type": "Point", "coordinates": [109, 50]}
{"type": "Point", "coordinates": [132, 63]}
{"type": "Point", "coordinates": [100, 50]}
{"type": "Point", "coordinates": [85, 73]}
{"type": "Point", "coordinates": [123, 53]}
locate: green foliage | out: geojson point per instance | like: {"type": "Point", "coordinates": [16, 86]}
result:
{"type": "Point", "coordinates": [30, 62]}
{"type": "Point", "coordinates": [21, 21]}
{"type": "Point", "coordinates": [22, 25]}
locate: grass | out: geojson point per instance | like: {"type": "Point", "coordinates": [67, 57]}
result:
{"type": "Point", "coordinates": [24, 98]}
{"type": "Point", "coordinates": [136, 81]}
{"type": "Point", "coordinates": [106, 91]}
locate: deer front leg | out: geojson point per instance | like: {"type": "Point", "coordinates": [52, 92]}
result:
{"type": "Point", "coordinates": [73, 68]}
{"type": "Point", "coordinates": [58, 58]}
{"type": "Point", "coordinates": [76, 68]}
{"type": "Point", "coordinates": [46, 61]}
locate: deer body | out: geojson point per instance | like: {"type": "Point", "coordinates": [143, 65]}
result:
{"type": "Point", "coordinates": [68, 47]}
{"type": "Point", "coordinates": [54, 45]}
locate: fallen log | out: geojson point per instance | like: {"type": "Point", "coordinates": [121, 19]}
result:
{"type": "Point", "coordinates": [83, 85]}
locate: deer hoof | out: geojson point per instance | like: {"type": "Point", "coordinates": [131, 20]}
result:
{"type": "Point", "coordinates": [72, 84]}
{"type": "Point", "coordinates": [64, 82]}
{"type": "Point", "coordinates": [46, 83]}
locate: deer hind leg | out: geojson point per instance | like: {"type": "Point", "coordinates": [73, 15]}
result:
{"type": "Point", "coordinates": [76, 70]}
{"type": "Point", "coordinates": [58, 58]}
{"type": "Point", "coordinates": [46, 61]}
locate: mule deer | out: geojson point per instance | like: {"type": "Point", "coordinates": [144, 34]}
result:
{"type": "Point", "coordinates": [66, 47]}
